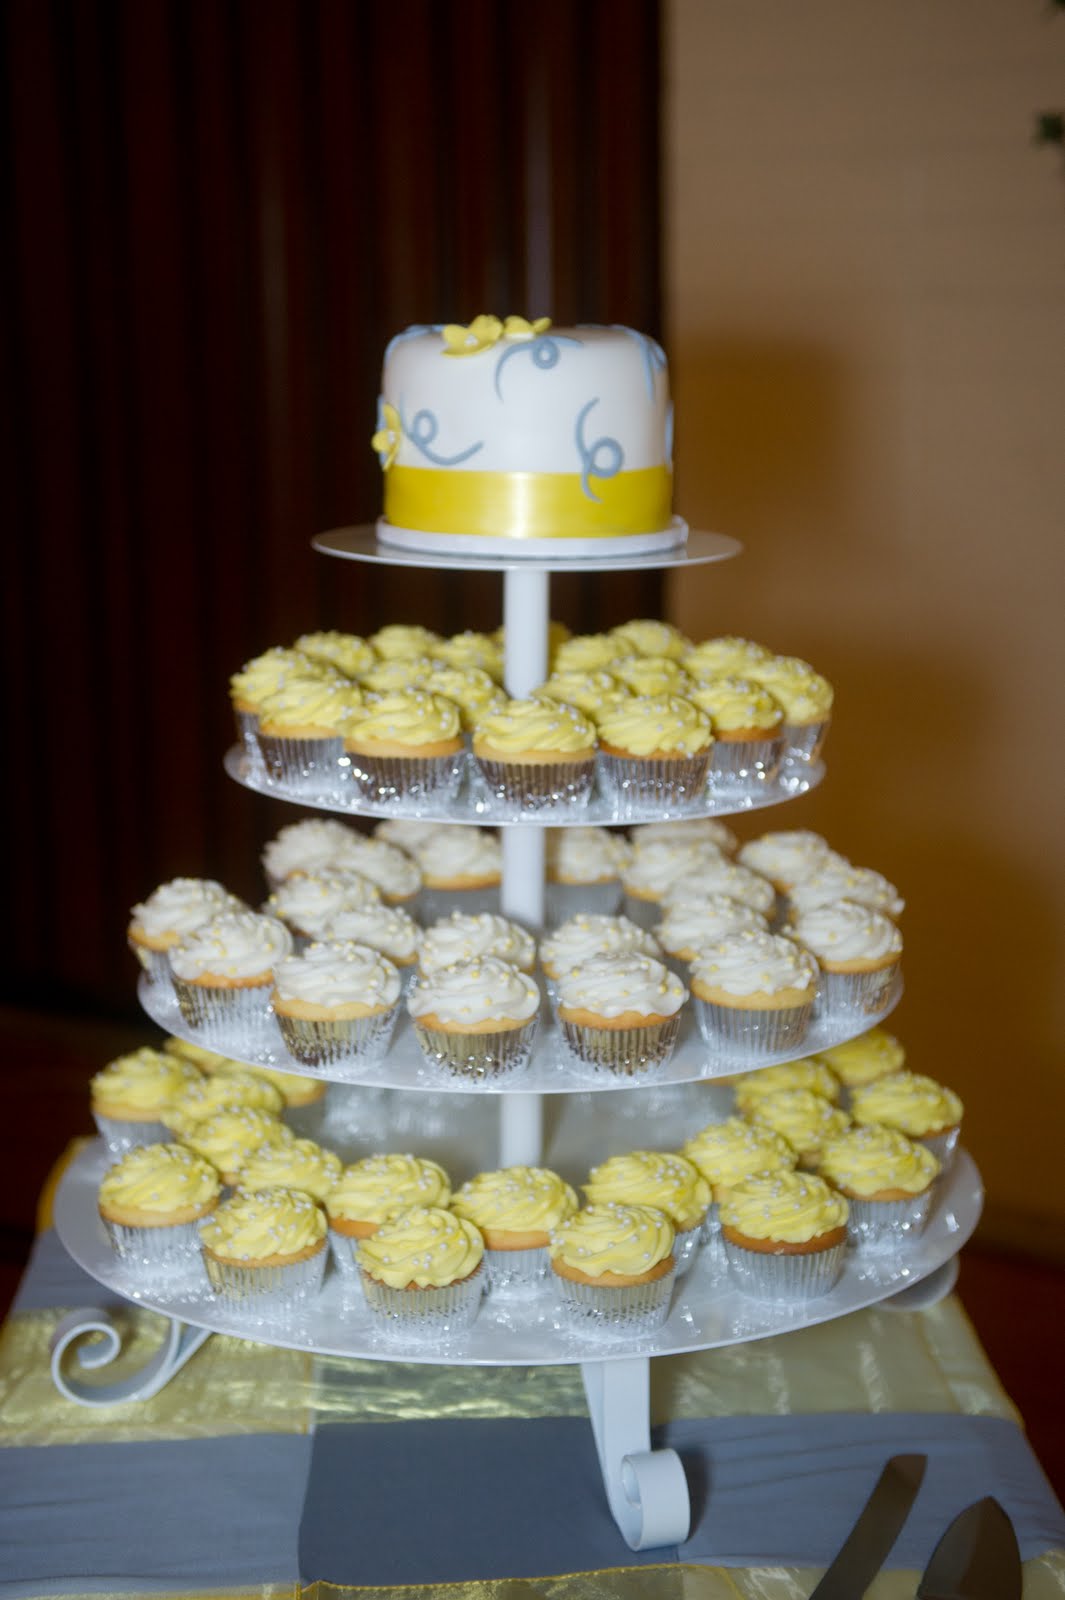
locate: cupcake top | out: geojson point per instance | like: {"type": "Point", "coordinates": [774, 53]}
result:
{"type": "Point", "coordinates": [377, 1186]}
{"type": "Point", "coordinates": [711, 878]}
{"type": "Point", "coordinates": [425, 1246]}
{"type": "Point", "coordinates": [389, 929]}
{"type": "Point", "coordinates": [335, 972]}
{"type": "Point", "coordinates": [697, 924]}
{"type": "Point", "coordinates": [182, 905]}
{"type": "Point", "coordinates": [787, 856]}
{"type": "Point", "coordinates": [590, 934]}
{"type": "Point", "coordinates": [309, 846]}
{"type": "Point", "coordinates": [519, 1199]}
{"type": "Point", "coordinates": [610, 1237]}
{"type": "Point", "coordinates": [725, 1152]}
{"type": "Point", "coordinates": [309, 903]}
{"type": "Point", "coordinates": [293, 1087]}
{"type": "Point", "coordinates": [642, 726]}
{"type": "Point", "coordinates": [807, 1073]}
{"type": "Point", "coordinates": [266, 673]}
{"type": "Point", "coordinates": [625, 980]}
{"type": "Point", "coordinates": [393, 871]}
{"type": "Point", "coordinates": [462, 937]}
{"type": "Point", "coordinates": [734, 703]}
{"type": "Point", "coordinates": [838, 880]}
{"type": "Point", "coordinates": [145, 1079]}
{"type": "Point", "coordinates": [310, 703]}
{"type": "Point", "coordinates": [864, 1161]}
{"type": "Point", "coordinates": [845, 931]}
{"type": "Point", "coordinates": [585, 855]}
{"type": "Point", "coordinates": [472, 690]}
{"type": "Point", "coordinates": [404, 639]}
{"type": "Point", "coordinates": [256, 1224]}
{"type": "Point", "coordinates": [462, 852]}
{"type": "Point", "coordinates": [727, 653]}
{"type": "Point", "coordinates": [408, 717]}
{"type": "Point", "coordinates": [198, 1054]}
{"type": "Point", "coordinates": [344, 650]}
{"type": "Point", "coordinates": [909, 1102]}
{"type": "Point", "coordinates": [755, 963]}
{"type": "Point", "coordinates": [544, 726]}
{"type": "Point", "coordinates": [476, 651]}
{"type": "Point", "coordinates": [805, 695]}
{"type": "Point", "coordinates": [160, 1178]}
{"type": "Point", "coordinates": [792, 1207]}
{"type": "Point", "coordinates": [586, 652]}
{"type": "Point", "coordinates": [805, 1119]}
{"type": "Point", "coordinates": [652, 676]}
{"type": "Point", "coordinates": [393, 676]}
{"type": "Point", "coordinates": [408, 833]}
{"type": "Point", "coordinates": [295, 1164]}
{"type": "Point", "coordinates": [694, 828]}
{"type": "Point", "coordinates": [590, 692]}
{"type": "Point", "coordinates": [647, 636]}
{"type": "Point", "coordinates": [658, 863]}
{"type": "Point", "coordinates": [234, 1087]}
{"type": "Point", "coordinates": [656, 1178]}
{"type": "Point", "coordinates": [872, 1055]}
{"type": "Point", "coordinates": [239, 944]}
{"type": "Point", "coordinates": [486, 989]}
{"type": "Point", "coordinates": [228, 1138]}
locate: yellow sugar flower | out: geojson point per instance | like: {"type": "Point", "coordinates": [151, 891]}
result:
{"type": "Point", "coordinates": [389, 432]}
{"type": "Point", "coordinates": [482, 334]}
{"type": "Point", "coordinates": [519, 328]}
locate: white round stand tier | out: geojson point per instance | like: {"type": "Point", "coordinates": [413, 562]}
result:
{"type": "Point", "coordinates": [446, 553]}
{"type": "Point", "coordinates": [708, 1311]}
{"type": "Point", "coordinates": [549, 1071]}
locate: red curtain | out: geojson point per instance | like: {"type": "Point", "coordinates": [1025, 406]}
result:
{"type": "Point", "coordinates": [216, 213]}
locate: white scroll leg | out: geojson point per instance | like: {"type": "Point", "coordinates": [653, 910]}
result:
{"type": "Point", "coordinates": [180, 1342]}
{"type": "Point", "coordinates": [646, 1489]}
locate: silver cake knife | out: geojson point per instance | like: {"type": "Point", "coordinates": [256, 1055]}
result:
{"type": "Point", "coordinates": [866, 1547]}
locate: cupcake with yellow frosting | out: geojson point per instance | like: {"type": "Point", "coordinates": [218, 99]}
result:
{"type": "Point", "coordinates": [583, 872]}
{"type": "Point", "coordinates": [658, 1178]}
{"type": "Point", "coordinates": [223, 972]}
{"type": "Point", "coordinates": [236, 1086]}
{"type": "Point", "coordinates": [747, 724]}
{"type": "Point", "coordinates": [400, 641]}
{"type": "Point", "coordinates": [887, 1179]}
{"type": "Point", "coordinates": [395, 676]}
{"type": "Point", "coordinates": [293, 1164]}
{"type": "Point", "coordinates": [471, 689]}
{"type": "Point", "coordinates": [620, 1013]}
{"type": "Point", "coordinates": [471, 652]}
{"type": "Point", "coordinates": [592, 693]}
{"type": "Point", "coordinates": [859, 951]}
{"type": "Point", "coordinates": [726, 1153]}
{"type": "Point", "coordinates": [462, 870]}
{"type": "Point", "coordinates": [587, 652]}
{"type": "Point", "coordinates": [371, 1191]}
{"type": "Point", "coordinates": [264, 1251]}
{"type": "Point", "coordinates": [258, 678]}
{"type": "Point", "coordinates": [862, 1060]}
{"type": "Point", "coordinates": [754, 993]}
{"type": "Point", "coordinates": [801, 1116]}
{"type": "Point", "coordinates": [475, 1020]}
{"type": "Point", "coordinates": [785, 1235]}
{"type": "Point", "coordinates": [809, 1072]}
{"type": "Point", "coordinates": [422, 1274]}
{"type": "Point", "coordinates": [914, 1105]}
{"type": "Point", "coordinates": [170, 912]}
{"type": "Point", "coordinates": [406, 746]}
{"type": "Point", "coordinates": [648, 636]}
{"type": "Point", "coordinates": [727, 653]}
{"type": "Point", "coordinates": [345, 651]}
{"type": "Point", "coordinates": [301, 735]}
{"type": "Point", "coordinates": [515, 1210]}
{"type": "Point", "coordinates": [655, 752]}
{"type": "Point", "coordinates": [336, 1005]}
{"type": "Point", "coordinates": [613, 1269]}
{"type": "Point", "coordinates": [806, 698]}
{"type": "Point", "coordinates": [150, 1204]}
{"type": "Point", "coordinates": [228, 1137]}
{"type": "Point", "coordinates": [536, 754]}
{"type": "Point", "coordinates": [131, 1094]}
{"type": "Point", "coordinates": [652, 676]}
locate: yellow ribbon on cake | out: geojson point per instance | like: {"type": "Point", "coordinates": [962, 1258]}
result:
{"type": "Point", "coordinates": [528, 505]}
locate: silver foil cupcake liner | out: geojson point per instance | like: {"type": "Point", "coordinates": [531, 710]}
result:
{"type": "Point", "coordinates": [712, 1223]}
{"type": "Point", "coordinates": [741, 1030]}
{"type": "Point", "coordinates": [784, 1277]}
{"type": "Point", "coordinates": [407, 778]}
{"type": "Point", "coordinates": [430, 1314]}
{"type": "Point", "coordinates": [154, 1254]}
{"type": "Point", "coordinates": [268, 1291]}
{"type": "Point", "coordinates": [803, 741]}
{"type": "Point", "coordinates": [221, 1016]}
{"type": "Point", "coordinates": [885, 1224]}
{"type": "Point", "coordinates": [342, 1249]}
{"type": "Point", "coordinates": [478, 1057]}
{"type": "Point", "coordinates": [305, 766]}
{"type": "Point", "coordinates": [687, 1242]}
{"type": "Point", "coordinates": [621, 1052]}
{"type": "Point", "coordinates": [346, 1046]}
{"type": "Point", "coordinates": [248, 733]}
{"type": "Point", "coordinates": [942, 1145]}
{"type": "Point", "coordinates": [155, 964]}
{"type": "Point", "coordinates": [618, 1313]}
{"type": "Point", "coordinates": [565, 900]}
{"type": "Point", "coordinates": [857, 994]}
{"type": "Point", "coordinates": [121, 1135]}
{"type": "Point", "coordinates": [645, 913]}
{"type": "Point", "coordinates": [436, 903]}
{"type": "Point", "coordinates": [635, 785]}
{"type": "Point", "coordinates": [742, 761]}
{"type": "Point", "coordinates": [516, 1271]}
{"type": "Point", "coordinates": [538, 787]}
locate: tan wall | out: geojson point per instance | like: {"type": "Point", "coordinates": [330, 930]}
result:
{"type": "Point", "coordinates": [866, 328]}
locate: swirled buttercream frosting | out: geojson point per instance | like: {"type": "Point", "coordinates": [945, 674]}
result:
{"type": "Point", "coordinates": [344, 650]}
{"type": "Point", "coordinates": [908, 1101]}
{"type": "Point", "coordinates": [627, 1240]}
{"type": "Point", "coordinates": [585, 855]}
{"type": "Point", "coordinates": [310, 902]}
{"type": "Point", "coordinates": [652, 676]}
{"type": "Point", "coordinates": [736, 704]}
{"type": "Point", "coordinates": [395, 873]}
{"type": "Point", "coordinates": [389, 929]}
{"type": "Point", "coordinates": [408, 717]}
{"type": "Point", "coordinates": [725, 1152]}
{"type": "Point", "coordinates": [261, 1224]}
{"type": "Point", "coordinates": [477, 651]}
{"type": "Point", "coordinates": [228, 1137]}
{"type": "Point", "coordinates": [867, 1161]}
{"type": "Point", "coordinates": [624, 981]}
{"type": "Point", "coordinates": [295, 1164]}
{"type": "Point", "coordinates": [791, 1207]}
{"type": "Point", "coordinates": [747, 963]}
{"type": "Point", "coordinates": [409, 833]}
{"type": "Point", "coordinates": [712, 878]}
{"type": "Point", "coordinates": [805, 1119]}
{"type": "Point", "coordinates": [462, 937]}
{"type": "Point", "coordinates": [160, 1179]}
{"type": "Point", "coordinates": [872, 1055]}
{"type": "Point", "coordinates": [787, 856]}
{"type": "Point", "coordinates": [806, 1073]}
{"type": "Point", "coordinates": [181, 905]}
{"type": "Point", "coordinates": [658, 1178]}
{"type": "Point", "coordinates": [648, 636]}
{"type": "Point", "coordinates": [693, 828]}
{"type": "Point", "coordinates": [399, 640]}
{"type": "Point", "coordinates": [425, 1247]}
{"type": "Point", "coordinates": [394, 676]}
{"type": "Point", "coordinates": [472, 689]}
{"type": "Point", "coordinates": [142, 1080]}
{"type": "Point", "coordinates": [239, 946]}
{"type": "Point", "coordinates": [338, 972]}
{"type": "Point", "coordinates": [452, 854]}
{"type": "Point", "coordinates": [588, 691]}
{"type": "Point", "coordinates": [378, 1186]}
{"type": "Point", "coordinates": [234, 1087]}
{"type": "Point", "coordinates": [728, 653]}
{"type": "Point", "coordinates": [667, 723]}
{"type": "Point", "coordinates": [844, 932]}
{"type": "Point", "coordinates": [591, 934]}
{"type": "Point", "coordinates": [692, 926]}
{"type": "Point", "coordinates": [309, 846]}
{"type": "Point", "coordinates": [483, 990]}
{"type": "Point", "coordinates": [656, 864]}
{"type": "Point", "coordinates": [838, 880]}
{"type": "Point", "coordinates": [515, 1199]}
{"type": "Point", "coordinates": [587, 652]}
{"type": "Point", "coordinates": [267, 673]}
{"type": "Point", "coordinates": [310, 703]}
{"type": "Point", "coordinates": [534, 726]}
{"type": "Point", "coordinates": [804, 694]}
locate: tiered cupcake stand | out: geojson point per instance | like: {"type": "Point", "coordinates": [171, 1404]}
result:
{"type": "Point", "coordinates": [553, 1118]}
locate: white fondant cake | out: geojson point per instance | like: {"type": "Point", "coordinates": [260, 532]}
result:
{"type": "Point", "coordinates": [528, 434]}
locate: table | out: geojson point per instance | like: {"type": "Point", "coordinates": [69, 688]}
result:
{"type": "Point", "coordinates": [393, 1480]}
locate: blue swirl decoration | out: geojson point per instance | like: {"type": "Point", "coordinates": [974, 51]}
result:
{"type": "Point", "coordinates": [422, 431]}
{"type": "Point", "coordinates": [592, 464]}
{"type": "Point", "coordinates": [544, 351]}
{"type": "Point", "coordinates": [654, 357]}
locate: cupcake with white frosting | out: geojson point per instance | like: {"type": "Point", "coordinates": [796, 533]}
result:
{"type": "Point", "coordinates": [536, 754]}
{"type": "Point", "coordinates": [583, 872]}
{"type": "Point", "coordinates": [859, 952]}
{"type": "Point", "coordinates": [223, 972]}
{"type": "Point", "coordinates": [515, 1209]}
{"type": "Point", "coordinates": [613, 1269]}
{"type": "Point", "coordinates": [170, 912]}
{"type": "Point", "coordinates": [150, 1204]}
{"type": "Point", "coordinates": [655, 752]}
{"type": "Point", "coordinates": [395, 873]}
{"type": "Point", "coordinates": [467, 938]}
{"type": "Point", "coordinates": [620, 1013]}
{"type": "Point", "coordinates": [462, 869]}
{"type": "Point", "coordinates": [754, 993]}
{"type": "Point", "coordinates": [389, 930]}
{"type": "Point", "coordinates": [406, 833]}
{"type": "Point", "coordinates": [659, 1178]}
{"type": "Point", "coordinates": [131, 1094]}
{"type": "Point", "coordinates": [686, 829]}
{"type": "Point", "coordinates": [888, 1181]}
{"type": "Point", "coordinates": [785, 1235]}
{"type": "Point", "coordinates": [406, 747]}
{"type": "Point", "coordinates": [591, 934]}
{"type": "Point", "coordinates": [656, 865]}
{"type": "Point", "coordinates": [422, 1274]}
{"type": "Point", "coordinates": [787, 856]}
{"type": "Point", "coordinates": [712, 878]}
{"type": "Point", "coordinates": [839, 880]}
{"type": "Point", "coordinates": [476, 1020]}
{"type": "Point", "coordinates": [265, 1251]}
{"type": "Point", "coordinates": [336, 1004]}
{"type": "Point", "coordinates": [915, 1105]}
{"type": "Point", "coordinates": [690, 926]}
{"type": "Point", "coordinates": [315, 845]}
{"type": "Point", "coordinates": [308, 903]}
